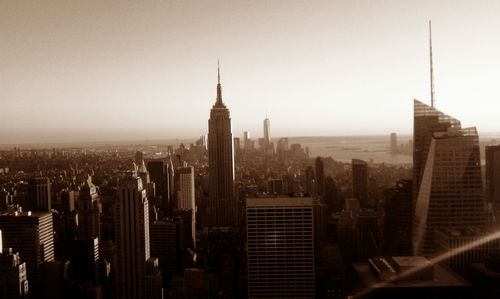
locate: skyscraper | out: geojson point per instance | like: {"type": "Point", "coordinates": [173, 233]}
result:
{"type": "Point", "coordinates": [267, 127]}
{"type": "Point", "coordinates": [397, 221]}
{"type": "Point", "coordinates": [39, 195]}
{"type": "Point", "coordinates": [13, 279]}
{"type": "Point", "coordinates": [448, 174]}
{"type": "Point", "coordinates": [222, 208]}
{"type": "Point", "coordinates": [246, 140]}
{"type": "Point", "coordinates": [32, 235]}
{"type": "Point", "coordinates": [86, 261]}
{"type": "Point", "coordinates": [426, 121]}
{"type": "Point", "coordinates": [185, 188]}
{"type": "Point", "coordinates": [280, 248]}
{"type": "Point", "coordinates": [320, 177]}
{"type": "Point", "coordinates": [493, 173]}
{"type": "Point", "coordinates": [160, 173]}
{"type": "Point", "coordinates": [132, 237]}
{"type": "Point", "coordinates": [493, 180]}
{"type": "Point", "coordinates": [88, 211]}
{"type": "Point", "coordinates": [186, 202]}
{"type": "Point", "coordinates": [360, 181]}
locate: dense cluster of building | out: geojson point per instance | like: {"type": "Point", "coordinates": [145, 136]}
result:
{"type": "Point", "coordinates": [225, 219]}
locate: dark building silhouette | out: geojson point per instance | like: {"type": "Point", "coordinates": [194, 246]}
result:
{"type": "Point", "coordinates": [493, 179]}
{"type": "Point", "coordinates": [360, 181]}
{"type": "Point", "coordinates": [13, 277]}
{"type": "Point", "coordinates": [222, 208]}
{"type": "Point", "coordinates": [267, 138]}
{"type": "Point", "coordinates": [86, 257]}
{"type": "Point", "coordinates": [310, 187]}
{"type": "Point", "coordinates": [39, 197]}
{"type": "Point", "coordinates": [167, 243]}
{"type": "Point", "coordinates": [320, 177]}
{"type": "Point", "coordinates": [397, 222]}
{"type": "Point", "coordinates": [161, 173]}
{"type": "Point", "coordinates": [31, 234]}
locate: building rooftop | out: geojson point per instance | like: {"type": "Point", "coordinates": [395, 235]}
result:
{"type": "Point", "coordinates": [407, 274]}
{"type": "Point", "coordinates": [279, 202]}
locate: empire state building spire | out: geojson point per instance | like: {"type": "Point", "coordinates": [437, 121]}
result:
{"type": "Point", "coordinates": [218, 101]}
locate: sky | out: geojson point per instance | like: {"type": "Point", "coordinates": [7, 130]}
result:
{"type": "Point", "coordinates": [132, 70]}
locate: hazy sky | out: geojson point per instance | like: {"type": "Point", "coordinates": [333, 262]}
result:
{"type": "Point", "coordinates": [115, 70]}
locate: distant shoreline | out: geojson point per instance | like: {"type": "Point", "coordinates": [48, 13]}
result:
{"type": "Point", "coordinates": [177, 141]}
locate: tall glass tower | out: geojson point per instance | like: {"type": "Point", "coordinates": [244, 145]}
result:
{"type": "Point", "coordinates": [447, 176]}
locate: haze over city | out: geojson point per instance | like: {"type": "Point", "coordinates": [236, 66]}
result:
{"type": "Point", "coordinates": [97, 71]}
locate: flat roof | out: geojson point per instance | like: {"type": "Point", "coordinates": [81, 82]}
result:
{"type": "Point", "coordinates": [442, 278]}
{"type": "Point", "coordinates": [279, 202]}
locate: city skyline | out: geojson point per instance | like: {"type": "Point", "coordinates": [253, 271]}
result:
{"type": "Point", "coordinates": [130, 169]}
{"type": "Point", "coordinates": [106, 70]}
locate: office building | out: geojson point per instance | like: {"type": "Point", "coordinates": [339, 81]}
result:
{"type": "Point", "coordinates": [185, 188]}
{"type": "Point", "coordinates": [39, 196]}
{"type": "Point", "coordinates": [132, 237]}
{"type": "Point", "coordinates": [320, 177]}
{"type": "Point", "coordinates": [30, 234]}
{"type": "Point", "coordinates": [160, 173]}
{"type": "Point", "coordinates": [267, 138]}
{"type": "Point", "coordinates": [426, 121]}
{"type": "Point", "coordinates": [275, 187]}
{"type": "Point", "coordinates": [451, 190]}
{"type": "Point", "coordinates": [360, 181]}
{"type": "Point", "coordinates": [167, 242]}
{"type": "Point", "coordinates": [493, 179]}
{"type": "Point", "coordinates": [247, 142]}
{"type": "Point", "coordinates": [88, 211]}
{"type": "Point", "coordinates": [280, 248]}
{"type": "Point", "coordinates": [13, 278]}
{"type": "Point", "coordinates": [86, 259]}
{"type": "Point", "coordinates": [222, 207]}
{"type": "Point", "coordinates": [397, 221]}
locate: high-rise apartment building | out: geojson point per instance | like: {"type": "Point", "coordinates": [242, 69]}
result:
{"type": "Point", "coordinates": [448, 169]}
{"type": "Point", "coordinates": [280, 248]}
{"type": "Point", "coordinates": [222, 208]}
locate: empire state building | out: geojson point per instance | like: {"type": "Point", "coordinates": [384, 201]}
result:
{"type": "Point", "coordinates": [222, 208]}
